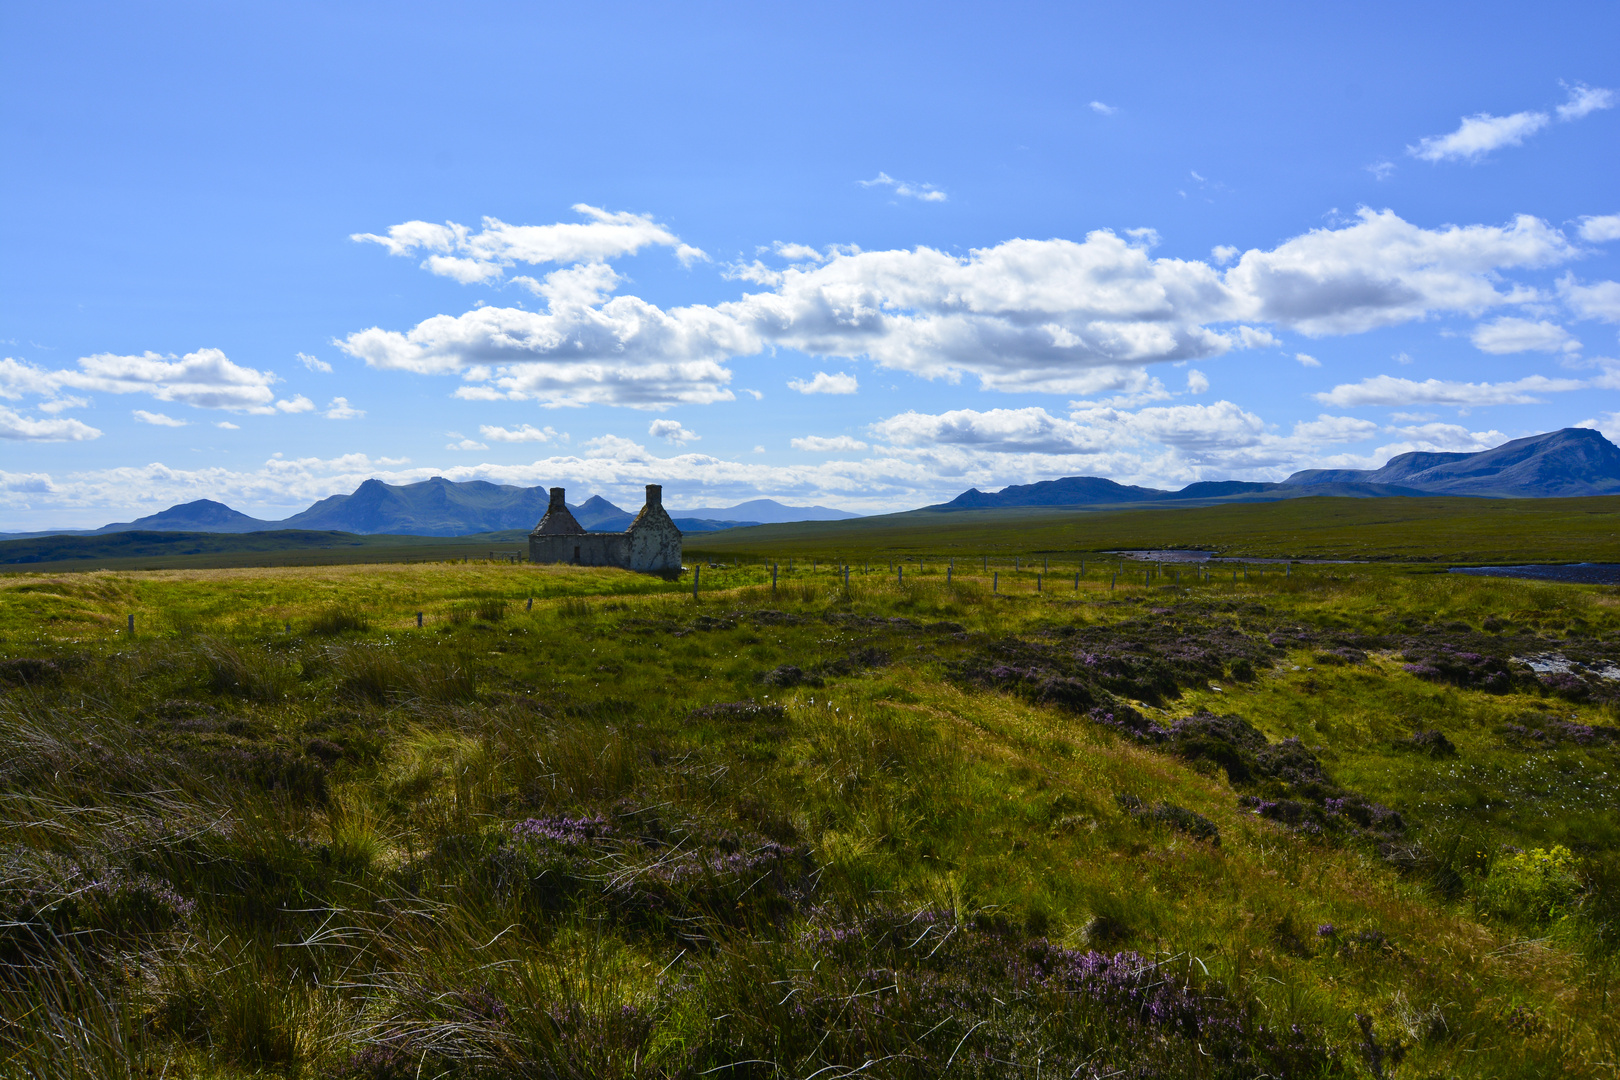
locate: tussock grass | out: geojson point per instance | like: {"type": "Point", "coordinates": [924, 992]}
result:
{"type": "Point", "coordinates": [595, 840]}
{"type": "Point", "coordinates": [339, 619]}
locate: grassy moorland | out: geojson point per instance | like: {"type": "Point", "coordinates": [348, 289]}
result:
{"type": "Point", "coordinates": [1436, 530]}
{"type": "Point", "coordinates": [142, 550]}
{"type": "Point", "coordinates": [1322, 824]}
{"type": "Point", "coordinates": [1452, 530]}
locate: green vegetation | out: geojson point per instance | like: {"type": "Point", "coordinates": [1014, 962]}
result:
{"type": "Point", "coordinates": [1321, 824]}
{"type": "Point", "coordinates": [1450, 530]}
{"type": "Point", "coordinates": [280, 547]}
{"type": "Point", "coordinates": [1453, 530]}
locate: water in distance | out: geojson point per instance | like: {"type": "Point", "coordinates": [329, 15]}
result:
{"type": "Point", "coordinates": [1184, 555]}
{"type": "Point", "coordinates": [1575, 573]}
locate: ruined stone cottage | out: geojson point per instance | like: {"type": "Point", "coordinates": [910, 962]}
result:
{"type": "Point", "coordinates": [652, 543]}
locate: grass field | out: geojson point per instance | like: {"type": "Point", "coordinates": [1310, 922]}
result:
{"type": "Point", "coordinates": [1321, 824]}
{"type": "Point", "coordinates": [280, 547]}
{"type": "Point", "coordinates": [1451, 530]}
{"type": "Point", "coordinates": [1437, 530]}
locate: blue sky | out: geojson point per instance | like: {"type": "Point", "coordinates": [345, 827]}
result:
{"type": "Point", "coordinates": [862, 257]}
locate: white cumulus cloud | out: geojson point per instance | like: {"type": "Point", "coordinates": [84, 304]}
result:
{"type": "Point", "coordinates": [1105, 110]}
{"type": "Point", "coordinates": [15, 426]}
{"type": "Point", "coordinates": [315, 363]}
{"type": "Point", "coordinates": [625, 352]}
{"type": "Point", "coordinates": [823, 383]}
{"type": "Point", "coordinates": [1482, 133]}
{"type": "Point", "coordinates": [340, 409]}
{"type": "Point", "coordinates": [205, 379]}
{"type": "Point", "coordinates": [1512, 335]}
{"type": "Point", "coordinates": [1307, 360]}
{"type": "Point", "coordinates": [18, 377]}
{"type": "Point", "coordinates": [456, 251]}
{"type": "Point", "coordinates": [157, 419]}
{"type": "Point", "coordinates": [1383, 271]}
{"type": "Point", "coordinates": [1023, 316]}
{"type": "Point", "coordinates": [1388, 390]}
{"type": "Point", "coordinates": [923, 192]}
{"type": "Point", "coordinates": [1161, 444]}
{"type": "Point", "coordinates": [1197, 382]}
{"type": "Point", "coordinates": [1584, 101]}
{"type": "Point", "coordinates": [1478, 135]}
{"type": "Point", "coordinates": [818, 444]}
{"type": "Point", "coordinates": [671, 432]}
{"type": "Point", "coordinates": [26, 483]}
{"type": "Point", "coordinates": [1030, 430]}
{"type": "Point", "coordinates": [63, 403]}
{"type": "Point", "coordinates": [1600, 228]}
{"type": "Point", "coordinates": [1597, 301]}
{"type": "Point", "coordinates": [526, 433]}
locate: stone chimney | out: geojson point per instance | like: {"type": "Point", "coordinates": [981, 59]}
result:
{"type": "Point", "coordinates": [558, 519]}
{"type": "Point", "coordinates": [655, 495]}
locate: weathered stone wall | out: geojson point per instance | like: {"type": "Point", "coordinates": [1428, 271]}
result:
{"type": "Point", "coordinates": [652, 544]}
{"type": "Point", "coordinates": [583, 548]}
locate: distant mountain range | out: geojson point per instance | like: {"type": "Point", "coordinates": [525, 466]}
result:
{"type": "Point", "coordinates": [1560, 464]}
{"type": "Point", "coordinates": [440, 507]}
{"type": "Point", "coordinates": [770, 512]}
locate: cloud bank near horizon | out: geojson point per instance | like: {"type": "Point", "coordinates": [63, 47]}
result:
{"type": "Point", "coordinates": [1086, 320]}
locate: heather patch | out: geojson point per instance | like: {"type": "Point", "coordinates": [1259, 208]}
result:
{"type": "Point", "coordinates": [1283, 781]}
{"type": "Point", "coordinates": [981, 998]}
{"type": "Point", "coordinates": [790, 675]}
{"type": "Point", "coordinates": [29, 671]}
{"type": "Point", "coordinates": [1175, 817]}
{"type": "Point", "coordinates": [48, 898]}
{"type": "Point", "coordinates": [1460, 667]}
{"type": "Point", "coordinates": [1077, 667]}
{"type": "Point", "coordinates": [1536, 731]}
{"type": "Point", "coordinates": [1433, 743]}
{"type": "Point", "coordinates": [684, 881]}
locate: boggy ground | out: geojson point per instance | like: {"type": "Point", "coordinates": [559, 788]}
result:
{"type": "Point", "coordinates": [1322, 825]}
